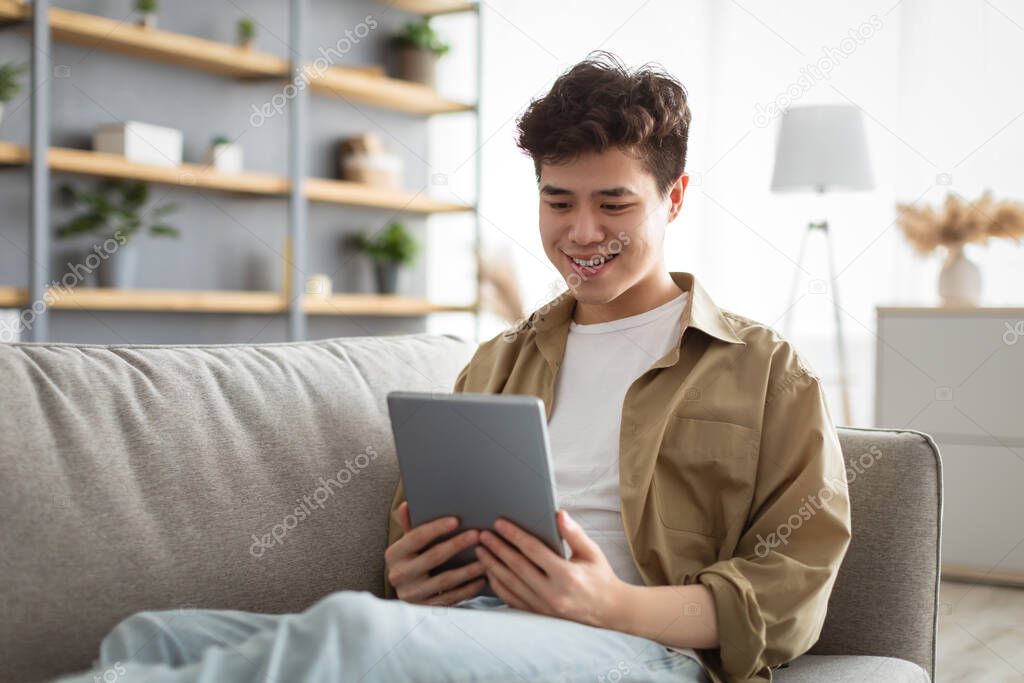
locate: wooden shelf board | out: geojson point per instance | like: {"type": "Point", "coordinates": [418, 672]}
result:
{"type": "Point", "coordinates": [87, 162]}
{"type": "Point", "coordinates": [432, 7]}
{"type": "Point", "coordinates": [365, 86]}
{"type": "Point", "coordinates": [376, 304]}
{"type": "Point", "coordinates": [124, 37]}
{"type": "Point", "coordinates": [12, 11]}
{"type": "Point", "coordinates": [161, 300]}
{"type": "Point", "coordinates": [195, 175]}
{"type": "Point", "coordinates": [186, 301]}
{"type": "Point", "coordinates": [345, 192]}
{"type": "Point", "coordinates": [12, 297]}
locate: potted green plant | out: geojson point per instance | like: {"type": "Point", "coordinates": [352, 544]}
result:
{"type": "Point", "coordinates": [114, 210]}
{"type": "Point", "coordinates": [9, 85]}
{"type": "Point", "coordinates": [391, 249]}
{"type": "Point", "coordinates": [246, 32]}
{"type": "Point", "coordinates": [147, 10]}
{"type": "Point", "coordinates": [418, 48]}
{"type": "Point", "coordinates": [224, 155]}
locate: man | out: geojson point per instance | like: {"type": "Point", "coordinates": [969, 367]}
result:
{"type": "Point", "coordinates": [703, 487]}
{"type": "Point", "coordinates": [693, 445]}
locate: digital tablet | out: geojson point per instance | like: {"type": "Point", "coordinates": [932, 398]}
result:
{"type": "Point", "coordinates": [477, 456]}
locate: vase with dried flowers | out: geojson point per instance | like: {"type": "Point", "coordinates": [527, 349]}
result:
{"type": "Point", "coordinates": [960, 222]}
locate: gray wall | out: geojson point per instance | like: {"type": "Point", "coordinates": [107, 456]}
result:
{"type": "Point", "coordinates": [229, 241]}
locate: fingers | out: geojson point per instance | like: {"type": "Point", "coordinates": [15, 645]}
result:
{"type": "Point", "coordinates": [502, 591]}
{"type": "Point", "coordinates": [496, 570]}
{"type": "Point", "coordinates": [512, 558]}
{"type": "Point", "coordinates": [583, 547]}
{"type": "Point", "coordinates": [421, 536]}
{"type": "Point", "coordinates": [459, 594]}
{"type": "Point", "coordinates": [528, 544]}
{"type": "Point", "coordinates": [403, 516]}
{"type": "Point", "coordinates": [444, 582]}
{"type": "Point", "coordinates": [414, 569]}
{"type": "Point", "coordinates": [442, 552]}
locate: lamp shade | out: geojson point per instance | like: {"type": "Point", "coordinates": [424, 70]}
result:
{"type": "Point", "coordinates": [821, 148]}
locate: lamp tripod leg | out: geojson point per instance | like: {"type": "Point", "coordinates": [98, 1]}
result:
{"type": "Point", "coordinates": [844, 382]}
{"type": "Point", "coordinates": [786, 324]}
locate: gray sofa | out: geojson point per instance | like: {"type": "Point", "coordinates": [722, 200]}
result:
{"type": "Point", "coordinates": [259, 477]}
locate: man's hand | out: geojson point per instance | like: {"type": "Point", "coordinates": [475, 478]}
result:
{"type": "Point", "coordinates": [408, 566]}
{"type": "Point", "coordinates": [528, 575]}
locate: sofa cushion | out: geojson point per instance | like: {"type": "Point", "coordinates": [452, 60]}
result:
{"type": "Point", "coordinates": [850, 669]}
{"type": "Point", "coordinates": [255, 477]}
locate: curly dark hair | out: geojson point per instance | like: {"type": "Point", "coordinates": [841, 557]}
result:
{"type": "Point", "coordinates": [599, 104]}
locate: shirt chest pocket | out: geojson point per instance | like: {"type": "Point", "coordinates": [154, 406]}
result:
{"type": "Point", "coordinates": [704, 475]}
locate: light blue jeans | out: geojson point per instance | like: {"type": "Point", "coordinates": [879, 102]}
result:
{"type": "Point", "coordinates": [352, 636]}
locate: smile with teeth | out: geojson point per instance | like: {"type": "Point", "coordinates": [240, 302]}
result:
{"type": "Point", "coordinates": [593, 262]}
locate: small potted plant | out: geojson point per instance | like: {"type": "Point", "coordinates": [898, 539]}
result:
{"type": "Point", "coordinates": [418, 48]}
{"type": "Point", "coordinates": [224, 155]}
{"type": "Point", "coordinates": [246, 32]}
{"type": "Point", "coordinates": [9, 85]}
{"type": "Point", "coordinates": [147, 12]}
{"type": "Point", "coordinates": [388, 251]}
{"type": "Point", "coordinates": [113, 210]}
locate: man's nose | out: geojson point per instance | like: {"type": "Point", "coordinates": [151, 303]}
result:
{"type": "Point", "coordinates": [586, 228]}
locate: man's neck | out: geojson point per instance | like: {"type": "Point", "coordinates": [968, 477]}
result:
{"type": "Point", "coordinates": [641, 297]}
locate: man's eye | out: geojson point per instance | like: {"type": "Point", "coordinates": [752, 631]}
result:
{"type": "Point", "coordinates": [558, 205]}
{"type": "Point", "coordinates": [616, 207]}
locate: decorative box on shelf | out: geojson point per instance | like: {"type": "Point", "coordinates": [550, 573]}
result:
{"type": "Point", "coordinates": [363, 159]}
{"type": "Point", "coordinates": [142, 143]}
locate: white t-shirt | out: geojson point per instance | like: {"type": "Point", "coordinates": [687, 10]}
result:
{"type": "Point", "coordinates": [601, 361]}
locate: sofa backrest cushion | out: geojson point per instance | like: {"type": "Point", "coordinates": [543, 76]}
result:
{"type": "Point", "coordinates": [255, 477]}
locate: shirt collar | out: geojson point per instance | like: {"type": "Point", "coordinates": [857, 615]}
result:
{"type": "Point", "coordinates": [551, 321]}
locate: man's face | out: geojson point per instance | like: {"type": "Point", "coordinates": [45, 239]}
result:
{"type": "Point", "coordinates": [603, 223]}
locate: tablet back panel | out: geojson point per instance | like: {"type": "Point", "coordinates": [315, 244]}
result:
{"type": "Point", "coordinates": [478, 456]}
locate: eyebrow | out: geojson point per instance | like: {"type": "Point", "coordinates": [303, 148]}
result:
{"type": "Point", "coordinates": [610, 192]}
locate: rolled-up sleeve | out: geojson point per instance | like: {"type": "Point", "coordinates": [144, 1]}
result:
{"type": "Point", "coordinates": [772, 594]}
{"type": "Point", "coordinates": [395, 530]}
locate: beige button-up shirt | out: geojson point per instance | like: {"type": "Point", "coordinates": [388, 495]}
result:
{"type": "Point", "coordinates": [730, 472]}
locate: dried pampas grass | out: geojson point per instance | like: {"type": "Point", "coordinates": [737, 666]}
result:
{"type": "Point", "coordinates": [960, 222]}
{"type": "Point", "coordinates": [499, 290]}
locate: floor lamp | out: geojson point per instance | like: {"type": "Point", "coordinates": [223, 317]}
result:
{"type": "Point", "coordinates": [822, 148]}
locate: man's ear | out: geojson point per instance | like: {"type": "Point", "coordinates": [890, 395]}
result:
{"type": "Point", "coordinates": [675, 196]}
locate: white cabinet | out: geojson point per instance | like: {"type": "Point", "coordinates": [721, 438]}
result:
{"type": "Point", "coordinates": [958, 375]}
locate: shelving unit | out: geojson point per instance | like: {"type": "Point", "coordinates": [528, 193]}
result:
{"type": "Point", "coordinates": [184, 301]}
{"type": "Point", "coordinates": [366, 85]}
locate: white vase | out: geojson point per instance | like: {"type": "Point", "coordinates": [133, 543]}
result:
{"type": "Point", "coordinates": [959, 279]}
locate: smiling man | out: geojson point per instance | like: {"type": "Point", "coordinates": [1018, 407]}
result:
{"type": "Point", "coordinates": [702, 486]}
